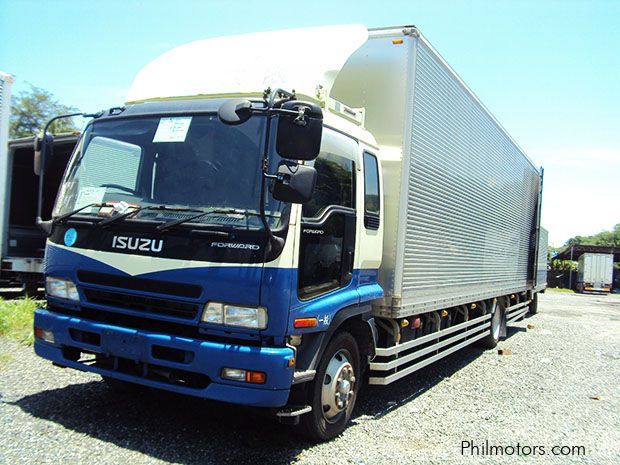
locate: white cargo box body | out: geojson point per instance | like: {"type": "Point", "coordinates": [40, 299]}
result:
{"type": "Point", "coordinates": [543, 252]}
{"type": "Point", "coordinates": [6, 82]}
{"type": "Point", "coordinates": [596, 270]}
{"type": "Point", "coordinates": [461, 197]}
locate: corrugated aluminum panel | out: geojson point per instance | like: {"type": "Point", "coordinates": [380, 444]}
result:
{"type": "Point", "coordinates": [468, 198]}
{"type": "Point", "coordinates": [1, 93]}
{"type": "Point", "coordinates": [6, 80]}
{"type": "Point", "coordinates": [596, 268]}
{"type": "Point", "coordinates": [541, 269]}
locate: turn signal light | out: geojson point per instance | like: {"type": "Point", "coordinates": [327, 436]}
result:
{"type": "Point", "coordinates": [249, 376]}
{"type": "Point", "coordinates": [44, 334]}
{"type": "Point", "coordinates": [305, 322]}
{"type": "Point", "coordinates": [256, 377]}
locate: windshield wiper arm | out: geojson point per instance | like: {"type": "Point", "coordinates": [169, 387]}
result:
{"type": "Point", "coordinates": [136, 210]}
{"type": "Point", "coordinates": [60, 219]}
{"type": "Point", "coordinates": [173, 223]}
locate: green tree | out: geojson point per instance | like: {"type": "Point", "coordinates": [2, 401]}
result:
{"type": "Point", "coordinates": [607, 238]}
{"type": "Point", "coordinates": [33, 108]}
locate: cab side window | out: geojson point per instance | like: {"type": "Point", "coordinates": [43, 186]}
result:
{"type": "Point", "coordinates": [371, 192]}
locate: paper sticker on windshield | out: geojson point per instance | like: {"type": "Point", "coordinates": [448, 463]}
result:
{"type": "Point", "coordinates": [172, 129]}
{"type": "Point", "coordinates": [88, 195]}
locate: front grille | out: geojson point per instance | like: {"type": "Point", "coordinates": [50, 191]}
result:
{"type": "Point", "coordinates": [140, 303]}
{"type": "Point", "coordinates": [191, 291]}
{"type": "Point", "coordinates": [141, 323]}
{"type": "Point", "coordinates": [131, 321]}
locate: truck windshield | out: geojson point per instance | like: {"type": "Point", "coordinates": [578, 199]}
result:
{"type": "Point", "coordinates": [188, 163]}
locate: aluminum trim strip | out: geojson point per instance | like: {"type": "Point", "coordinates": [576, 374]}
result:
{"type": "Point", "coordinates": [383, 351]}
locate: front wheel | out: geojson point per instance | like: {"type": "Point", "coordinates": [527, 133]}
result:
{"type": "Point", "coordinates": [334, 390]}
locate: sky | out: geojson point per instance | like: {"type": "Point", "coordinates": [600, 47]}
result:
{"type": "Point", "coordinates": [548, 70]}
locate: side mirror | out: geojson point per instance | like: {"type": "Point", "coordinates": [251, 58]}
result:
{"type": "Point", "coordinates": [43, 150]}
{"type": "Point", "coordinates": [295, 183]}
{"type": "Point", "coordinates": [235, 111]}
{"type": "Point", "coordinates": [299, 131]}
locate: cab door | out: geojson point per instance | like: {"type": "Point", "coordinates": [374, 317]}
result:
{"type": "Point", "coordinates": [327, 242]}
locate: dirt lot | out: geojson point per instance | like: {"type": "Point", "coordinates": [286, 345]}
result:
{"type": "Point", "coordinates": [559, 387]}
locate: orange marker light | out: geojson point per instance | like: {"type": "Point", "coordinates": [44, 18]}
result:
{"type": "Point", "coordinates": [397, 41]}
{"type": "Point", "coordinates": [256, 377]}
{"type": "Point", "coordinates": [305, 322]}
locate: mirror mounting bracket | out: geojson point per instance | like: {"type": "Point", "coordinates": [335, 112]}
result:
{"type": "Point", "coordinates": [44, 151]}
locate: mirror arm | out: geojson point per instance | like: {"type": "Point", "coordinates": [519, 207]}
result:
{"type": "Point", "coordinates": [48, 226]}
{"type": "Point", "coordinates": [277, 177]}
{"type": "Point", "coordinates": [273, 94]}
{"type": "Point", "coordinates": [274, 242]}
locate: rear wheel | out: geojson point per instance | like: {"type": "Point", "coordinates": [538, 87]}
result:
{"type": "Point", "coordinates": [334, 390]}
{"type": "Point", "coordinates": [491, 340]}
{"type": "Point", "coordinates": [31, 287]}
{"type": "Point", "coordinates": [534, 304]}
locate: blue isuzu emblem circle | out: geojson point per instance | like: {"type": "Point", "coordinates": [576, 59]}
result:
{"type": "Point", "coordinates": [70, 237]}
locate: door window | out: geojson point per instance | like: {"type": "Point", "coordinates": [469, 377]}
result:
{"type": "Point", "coordinates": [334, 185]}
{"type": "Point", "coordinates": [328, 228]}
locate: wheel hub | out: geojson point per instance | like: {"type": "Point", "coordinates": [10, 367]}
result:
{"type": "Point", "coordinates": [338, 386]}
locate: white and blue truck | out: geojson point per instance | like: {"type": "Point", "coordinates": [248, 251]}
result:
{"type": "Point", "coordinates": [274, 219]}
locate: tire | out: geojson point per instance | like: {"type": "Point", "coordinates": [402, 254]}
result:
{"type": "Point", "coordinates": [533, 309]}
{"type": "Point", "coordinates": [338, 375]}
{"type": "Point", "coordinates": [123, 387]}
{"type": "Point", "coordinates": [491, 340]}
{"type": "Point", "coordinates": [31, 288]}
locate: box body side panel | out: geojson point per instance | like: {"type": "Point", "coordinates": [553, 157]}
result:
{"type": "Point", "coordinates": [470, 198]}
{"type": "Point", "coordinates": [543, 251]}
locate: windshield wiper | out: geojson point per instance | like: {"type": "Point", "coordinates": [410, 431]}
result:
{"type": "Point", "coordinates": [62, 218]}
{"type": "Point", "coordinates": [222, 211]}
{"type": "Point", "coordinates": [135, 211]}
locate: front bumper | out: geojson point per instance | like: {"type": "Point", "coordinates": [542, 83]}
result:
{"type": "Point", "coordinates": [144, 357]}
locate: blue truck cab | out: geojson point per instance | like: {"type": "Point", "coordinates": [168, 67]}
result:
{"type": "Point", "coordinates": [161, 272]}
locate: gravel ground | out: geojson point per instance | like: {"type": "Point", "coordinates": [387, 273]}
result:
{"type": "Point", "coordinates": [560, 387]}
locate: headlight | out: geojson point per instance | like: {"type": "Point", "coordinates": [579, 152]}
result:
{"type": "Point", "coordinates": [61, 288]}
{"type": "Point", "coordinates": [234, 315]}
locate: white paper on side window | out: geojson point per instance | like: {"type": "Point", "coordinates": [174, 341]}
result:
{"type": "Point", "coordinates": [88, 195]}
{"type": "Point", "coordinates": [172, 129]}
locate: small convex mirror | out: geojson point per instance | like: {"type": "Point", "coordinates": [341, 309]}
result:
{"type": "Point", "coordinates": [235, 111]}
{"type": "Point", "coordinates": [295, 183]}
{"type": "Point", "coordinates": [300, 131]}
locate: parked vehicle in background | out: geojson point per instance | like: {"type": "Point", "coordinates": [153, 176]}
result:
{"type": "Point", "coordinates": [22, 243]}
{"type": "Point", "coordinates": [595, 272]}
{"type": "Point", "coordinates": [223, 238]}
{"type": "Point", "coordinates": [6, 83]}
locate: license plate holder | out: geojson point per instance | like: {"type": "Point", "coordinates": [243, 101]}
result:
{"type": "Point", "coordinates": [124, 345]}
